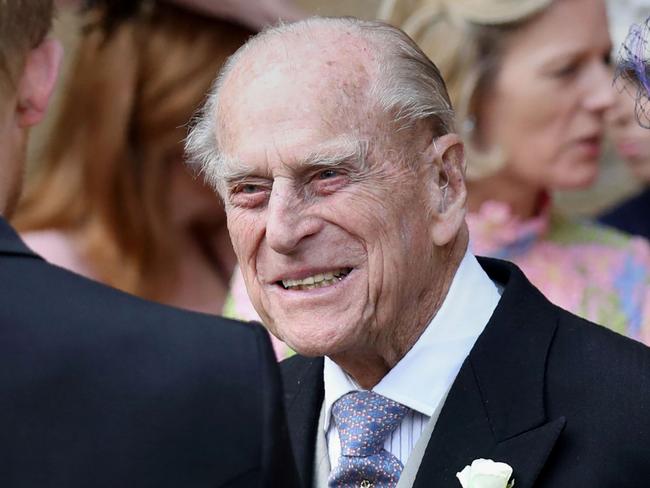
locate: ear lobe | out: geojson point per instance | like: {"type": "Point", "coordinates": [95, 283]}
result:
{"type": "Point", "coordinates": [37, 82]}
{"type": "Point", "coordinates": [452, 193]}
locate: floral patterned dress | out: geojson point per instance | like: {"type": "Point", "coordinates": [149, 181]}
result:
{"type": "Point", "coordinates": [589, 269]}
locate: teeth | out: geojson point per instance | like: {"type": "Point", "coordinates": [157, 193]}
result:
{"type": "Point", "coordinates": [317, 281]}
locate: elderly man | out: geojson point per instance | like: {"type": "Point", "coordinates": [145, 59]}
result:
{"type": "Point", "coordinates": [99, 388]}
{"type": "Point", "coordinates": [332, 143]}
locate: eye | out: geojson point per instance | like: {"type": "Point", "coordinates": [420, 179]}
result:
{"type": "Point", "coordinates": [566, 70]}
{"type": "Point", "coordinates": [248, 194]}
{"type": "Point", "coordinates": [327, 174]}
{"type": "Point", "coordinates": [327, 181]}
{"type": "Point", "coordinates": [607, 59]}
{"type": "Point", "coordinates": [248, 188]}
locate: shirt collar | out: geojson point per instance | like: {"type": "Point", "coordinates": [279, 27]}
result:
{"type": "Point", "coordinates": [421, 379]}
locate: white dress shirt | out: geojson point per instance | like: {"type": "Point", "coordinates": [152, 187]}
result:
{"type": "Point", "coordinates": [422, 378]}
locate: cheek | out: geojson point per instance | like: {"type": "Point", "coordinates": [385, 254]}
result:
{"type": "Point", "coordinates": [359, 212]}
{"type": "Point", "coordinates": [537, 140]}
{"type": "Point", "coordinates": [529, 119]}
{"type": "Point", "coordinates": [367, 214]}
{"type": "Point", "coordinates": [532, 127]}
{"type": "Point", "coordinates": [390, 228]}
{"type": "Point", "coordinates": [245, 229]}
{"type": "Point", "coordinates": [641, 168]}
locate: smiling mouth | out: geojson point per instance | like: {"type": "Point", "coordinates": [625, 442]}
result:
{"type": "Point", "coordinates": [320, 280]}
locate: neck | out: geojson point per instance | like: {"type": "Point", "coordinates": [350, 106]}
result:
{"type": "Point", "coordinates": [523, 199]}
{"type": "Point", "coordinates": [368, 366]}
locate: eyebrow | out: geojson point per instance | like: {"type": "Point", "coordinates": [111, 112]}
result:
{"type": "Point", "coordinates": [234, 170]}
{"type": "Point", "coordinates": [354, 151]}
{"type": "Point", "coordinates": [561, 55]}
{"type": "Point", "coordinates": [331, 155]}
{"type": "Point", "coordinates": [236, 173]}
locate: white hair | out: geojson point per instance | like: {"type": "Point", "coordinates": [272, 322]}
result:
{"type": "Point", "coordinates": [408, 86]}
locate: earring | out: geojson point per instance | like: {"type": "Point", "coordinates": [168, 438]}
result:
{"type": "Point", "coordinates": [469, 124]}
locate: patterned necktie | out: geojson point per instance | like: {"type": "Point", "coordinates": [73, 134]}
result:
{"type": "Point", "coordinates": [364, 420]}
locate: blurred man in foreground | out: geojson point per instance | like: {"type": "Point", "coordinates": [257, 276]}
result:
{"type": "Point", "coordinates": [332, 142]}
{"type": "Point", "coordinates": [99, 388]}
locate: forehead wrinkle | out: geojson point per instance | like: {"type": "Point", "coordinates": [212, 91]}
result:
{"type": "Point", "coordinates": [348, 71]}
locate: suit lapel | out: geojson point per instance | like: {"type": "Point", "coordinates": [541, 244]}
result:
{"type": "Point", "coordinates": [11, 243]}
{"type": "Point", "coordinates": [462, 434]}
{"type": "Point", "coordinates": [495, 408]}
{"type": "Point", "coordinates": [304, 392]}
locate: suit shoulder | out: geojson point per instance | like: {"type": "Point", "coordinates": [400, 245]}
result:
{"type": "Point", "coordinates": [40, 300]}
{"type": "Point", "coordinates": [592, 355]}
{"type": "Point", "coordinates": [52, 284]}
{"type": "Point", "coordinates": [590, 336]}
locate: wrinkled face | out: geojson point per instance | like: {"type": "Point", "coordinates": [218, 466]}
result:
{"type": "Point", "coordinates": [631, 140]}
{"type": "Point", "coordinates": [327, 224]}
{"type": "Point", "coordinates": [546, 109]}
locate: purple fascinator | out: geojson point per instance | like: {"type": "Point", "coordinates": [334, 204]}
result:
{"type": "Point", "coordinates": [634, 68]}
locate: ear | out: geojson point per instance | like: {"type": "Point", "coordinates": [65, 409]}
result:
{"type": "Point", "coordinates": [449, 193]}
{"type": "Point", "coordinates": [37, 82]}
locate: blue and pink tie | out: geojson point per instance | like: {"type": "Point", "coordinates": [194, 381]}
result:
{"type": "Point", "coordinates": [364, 420]}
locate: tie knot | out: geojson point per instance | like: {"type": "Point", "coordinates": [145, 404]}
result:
{"type": "Point", "coordinates": [364, 420]}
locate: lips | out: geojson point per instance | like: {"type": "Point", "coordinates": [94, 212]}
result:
{"type": "Point", "coordinates": [632, 149]}
{"type": "Point", "coordinates": [316, 280]}
{"type": "Point", "coordinates": [591, 145]}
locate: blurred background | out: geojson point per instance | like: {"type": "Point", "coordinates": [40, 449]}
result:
{"type": "Point", "coordinates": [109, 195]}
{"type": "Point", "coordinates": [614, 182]}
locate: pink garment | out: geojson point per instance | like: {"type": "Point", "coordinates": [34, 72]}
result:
{"type": "Point", "coordinates": [58, 248]}
{"type": "Point", "coordinates": [589, 269]}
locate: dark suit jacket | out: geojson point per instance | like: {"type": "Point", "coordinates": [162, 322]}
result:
{"type": "Point", "coordinates": [565, 402]}
{"type": "Point", "coordinates": [631, 216]}
{"type": "Point", "coordinates": [101, 389]}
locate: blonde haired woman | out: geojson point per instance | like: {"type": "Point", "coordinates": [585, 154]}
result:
{"type": "Point", "coordinates": [531, 83]}
{"type": "Point", "coordinates": [113, 199]}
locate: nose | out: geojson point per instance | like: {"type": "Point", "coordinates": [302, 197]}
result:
{"type": "Point", "coordinates": [289, 221]}
{"type": "Point", "coordinates": [601, 94]}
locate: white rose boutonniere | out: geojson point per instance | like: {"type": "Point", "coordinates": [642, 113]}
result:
{"type": "Point", "coordinates": [485, 473]}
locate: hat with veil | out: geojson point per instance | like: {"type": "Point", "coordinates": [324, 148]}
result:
{"type": "Point", "coordinates": [634, 68]}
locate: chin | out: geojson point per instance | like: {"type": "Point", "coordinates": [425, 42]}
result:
{"type": "Point", "coordinates": [316, 339]}
{"type": "Point", "coordinates": [640, 170]}
{"type": "Point", "coordinates": [579, 177]}
{"type": "Point", "coordinates": [586, 182]}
